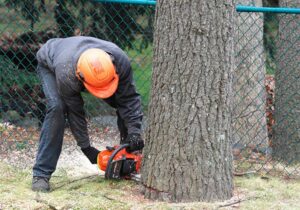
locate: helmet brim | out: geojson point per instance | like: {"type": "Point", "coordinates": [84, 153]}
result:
{"type": "Point", "coordinates": [106, 91]}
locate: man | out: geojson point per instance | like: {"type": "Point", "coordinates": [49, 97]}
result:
{"type": "Point", "coordinates": [66, 66]}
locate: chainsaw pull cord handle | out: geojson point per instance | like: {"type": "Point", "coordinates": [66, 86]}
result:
{"type": "Point", "coordinates": [108, 169]}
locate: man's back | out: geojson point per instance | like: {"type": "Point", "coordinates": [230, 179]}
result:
{"type": "Point", "coordinates": [67, 50]}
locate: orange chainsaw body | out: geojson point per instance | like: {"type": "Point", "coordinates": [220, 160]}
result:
{"type": "Point", "coordinates": [103, 158]}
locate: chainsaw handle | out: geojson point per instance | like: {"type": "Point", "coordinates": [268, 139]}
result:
{"type": "Point", "coordinates": [111, 158]}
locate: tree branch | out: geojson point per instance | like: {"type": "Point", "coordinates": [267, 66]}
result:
{"type": "Point", "coordinates": [39, 200]}
{"type": "Point", "coordinates": [237, 201]}
{"type": "Point", "coordinates": [75, 180]}
{"type": "Point", "coordinates": [243, 173]}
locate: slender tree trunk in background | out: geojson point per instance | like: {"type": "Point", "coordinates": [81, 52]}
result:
{"type": "Point", "coordinates": [188, 153]}
{"type": "Point", "coordinates": [286, 142]}
{"type": "Point", "coordinates": [249, 107]}
{"type": "Point", "coordinates": [270, 3]}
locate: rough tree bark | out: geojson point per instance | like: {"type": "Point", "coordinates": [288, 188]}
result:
{"type": "Point", "coordinates": [286, 142]}
{"type": "Point", "coordinates": [188, 150]}
{"type": "Point", "coordinates": [249, 110]}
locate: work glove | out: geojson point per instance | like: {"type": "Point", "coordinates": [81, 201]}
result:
{"type": "Point", "coordinates": [135, 142]}
{"type": "Point", "coordinates": [91, 153]}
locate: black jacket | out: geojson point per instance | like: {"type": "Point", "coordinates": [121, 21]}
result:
{"type": "Point", "coordinates": [60, 55]}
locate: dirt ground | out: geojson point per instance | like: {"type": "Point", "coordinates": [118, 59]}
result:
{"type": "Point", "coordinates": [77, 184]}
{"type": "Point", "coordinates": [102, 131]}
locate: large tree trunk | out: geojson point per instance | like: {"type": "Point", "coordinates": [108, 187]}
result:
{"type": "Point", "coordinates": [249, 109]}
{"type": "Point", "coordinates": [286, 142]}
{"type": "Point", "coordinates": [188, 150]}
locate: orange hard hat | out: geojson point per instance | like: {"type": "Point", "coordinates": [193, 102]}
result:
{"type": "Point", "coordinates": [97, 72]}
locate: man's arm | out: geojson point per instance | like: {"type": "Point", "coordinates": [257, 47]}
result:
{"type": "Point", "coordinates": [129, 108]}
{"type": "Point", "coordinates": [69, 88]}
{"type": "Point", "coordinates": [128, 103]}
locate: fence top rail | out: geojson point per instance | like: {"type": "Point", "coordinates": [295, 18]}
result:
{"type": "Point", "coordinates": [241, 8]}
{"type": "Point", "coordinates": [149, 2]}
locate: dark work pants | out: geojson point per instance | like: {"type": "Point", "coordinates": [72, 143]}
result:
{"type": "Point", "coordinates": [52, 132]}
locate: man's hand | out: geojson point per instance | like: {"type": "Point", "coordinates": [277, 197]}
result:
{"type": "Point", "coordinates": [91, 153]}
{"type": "Point", "coordinates": [135, 142]}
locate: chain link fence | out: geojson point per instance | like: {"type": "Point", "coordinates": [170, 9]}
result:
{"type": "Point", "coordinates": [266, 119]}
{"type": "Point", "coordinates": [266, 135]}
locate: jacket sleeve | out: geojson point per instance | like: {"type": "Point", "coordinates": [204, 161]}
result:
{"type": "Point", "coordinates": [128, 101]}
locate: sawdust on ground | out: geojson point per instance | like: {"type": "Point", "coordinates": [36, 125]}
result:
{"type": "Point", "coordinates": [102, 131]}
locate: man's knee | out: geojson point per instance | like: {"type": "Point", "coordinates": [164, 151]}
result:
{"type": "Point", "coordinates": [56, 107]}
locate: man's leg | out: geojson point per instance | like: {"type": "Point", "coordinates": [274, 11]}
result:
{"type": "Point", "coordinates": [77, 120]}
{"type": "Point", "coordinates": [52, 131]}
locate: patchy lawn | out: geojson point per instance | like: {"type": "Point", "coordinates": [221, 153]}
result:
{"type": "Point", "coordinates": [77, 184]}
{"type": "Point", "coordinates": [94, 192]}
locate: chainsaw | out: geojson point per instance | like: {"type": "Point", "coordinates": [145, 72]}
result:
{"type": "Point", "coordinates": [118, 163]}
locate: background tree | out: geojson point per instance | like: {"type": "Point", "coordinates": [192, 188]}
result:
{"type": "Point", "coordinates": [129, 26]}
{"type": "Point", "coordinates": [119, 23]}
{"type": "Point", "coordinates": [270, 35]}
{"type": "Point", "coordinates": [188, 148]}
{"type": "Point", "coordinates": [123, 26]}
{"type": "Point", "coordinates": [65, 20]}
{"type": "Point", "coordinates": [270, 3]}
{"type": "Point", "coordinates": [249, 110]}
{"type": "Point", "coordinates": [30, 9]}
{"type": "Point", "coordinates": [287, 98]}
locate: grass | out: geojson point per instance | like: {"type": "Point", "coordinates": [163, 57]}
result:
{"type": "Point", "coordinates": [95, 192]}
{"type": "Point", "coordinates": [271, 193]}
{"type": "Point", "coordinates": [91, 193]}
